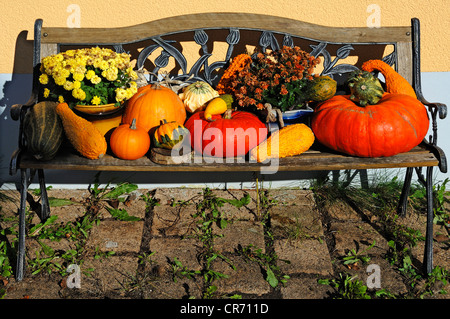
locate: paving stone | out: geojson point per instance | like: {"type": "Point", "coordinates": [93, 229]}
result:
{"type": "Point", "coordinates": [305, 288]}
{"type": "Point", "coordinates": [296, 222]}
{"type": "Point", "coordinates": [305, 256]}
{"type": "Point", "coordinates": [108, 274]}
{"type": "Point", "coordinates": [358, 236]}
{"type": "Point", "coordinates": [441, 256]}
{"type": "Point", "coordinates": [168, 195]}
{"type": "Point", "coordinates": [287, 197]}
{"type": "Point", "coordinates": [247, 212]}
{"type": "Point", "coordinates": [117, 236]}
{"type": "Point", "coordinates": [183, 288]}
{"type": "Point", "coordinates": [342, 211]}
{"type": "Point", "coordinates": [66, 214]}
{"type": "Point", "coordinates": [239, 233]}
{"type": "Point", "coordinates": [33, 246]}
{"type": "Point", "coordinates": [167, 249]}
{"type": "Point", "coordinates": [246, 278]}
{"type": "Point", "coordinates": [173, 221]}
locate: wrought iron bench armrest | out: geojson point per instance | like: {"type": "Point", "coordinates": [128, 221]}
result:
{"type": "Point", "coordinates": [17, 113]}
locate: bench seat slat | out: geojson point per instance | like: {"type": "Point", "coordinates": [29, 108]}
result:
{"type": "Point", "coordinates": [315, 159]}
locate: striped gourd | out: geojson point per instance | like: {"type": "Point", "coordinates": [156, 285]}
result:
{"type": "Point", "coordinates": [43, 130]}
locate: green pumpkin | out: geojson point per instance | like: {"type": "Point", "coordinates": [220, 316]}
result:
{"type": "Point", "coordinates": [321, 88]}
{"type": "Point", "coordinates": [365, 88]}
{"type": "Point", "coordinates": [43, 130]}
{"type": "Point", "coordinates": [169, 134]}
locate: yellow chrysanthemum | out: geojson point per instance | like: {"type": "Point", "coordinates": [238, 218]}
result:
{"type": "Point", "coordinates": [65, 73]}
{"type": "Point", "coordinates": [103, 65]}
{"type": "Point", "coordinates": [68, 85]}
{"type": "Point", "coordinates": [60, 80]}
{"type": "Point", "coordinates": [70, 52]}
{"type": "Point", "coordinates": [90, 74]}
{"type": "Point", "coordinates": [96, 79]}
{"type": "Point", "coordinates": [121, 94]}
{"type": "Point", "coordinates": [59, 57]}
{"type": "Point", "coordinates": [132, 74]}
{"type": "Point", "coordinates": [78, 77]}
{"type": "Point", "coordinates": [79, 94]}
{"type": "Point", "coordinates": [43, 79]}
{"type": "Point", "coordinates": [60, 99]}
{"type": "Point", "coordinates": [46, 92]}
{"type": "Point", "coordinates": [76, 84]}
{"type": "Point", "coordinates": [110, 74]}
{"type": "Point", "coordinates": [96, 100]}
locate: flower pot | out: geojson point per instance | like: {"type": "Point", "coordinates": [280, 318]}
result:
{"type": "Point", "coordinates": [289, 117]}
{"type": "Point", "coordinates": [105, 109]}
{"type": "Point", "coordinates": [104, 117]}
{"type": "Point", "coordinates": [296, 116]}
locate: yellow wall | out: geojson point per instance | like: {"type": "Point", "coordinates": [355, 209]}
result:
{"type": "Point", "coordinates": [17, 18]}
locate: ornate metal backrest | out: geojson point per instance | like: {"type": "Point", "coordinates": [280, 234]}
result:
{"type": "Point", "coordinates": [341, 49]}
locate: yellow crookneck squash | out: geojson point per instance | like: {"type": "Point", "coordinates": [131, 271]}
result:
{"type": "Point", "coordinates": [82, 134]}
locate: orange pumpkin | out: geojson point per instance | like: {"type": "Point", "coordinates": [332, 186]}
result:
{"type": "Point", "coordinates": [129, 142]}
{"type": "Point", "coordinates": [153, 103]}
{"type": "Point", "coordinates": [395, 124]}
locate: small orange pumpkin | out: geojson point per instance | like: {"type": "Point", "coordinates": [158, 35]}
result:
{"type": "Point", "coordinates": [129, 142]}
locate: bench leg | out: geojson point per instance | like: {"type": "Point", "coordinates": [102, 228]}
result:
{"type": "Point", "coordinates": [428, 183]}
{"type": "Point", "coordinates": [20, 264]}
{"type": "Point", "coordinates": [402, 207]}
{"type": "Point", "coordinates": [44, 214]}
{"type": "Point", "coordinates": [45, 207]}
{"type": "Point", "coordinates": [428, 254]}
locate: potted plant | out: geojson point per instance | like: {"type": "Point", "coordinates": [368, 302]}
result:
{"type": "Point", "coordinates": [92, 80]}
{"type": "Point", "coordinates": [276, 80]}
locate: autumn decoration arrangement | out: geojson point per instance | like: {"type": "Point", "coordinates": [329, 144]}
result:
{"type": "Point", "coordinates": [372, 120]}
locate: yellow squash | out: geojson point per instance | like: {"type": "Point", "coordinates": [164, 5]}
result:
{"type": "Point", "coordinates": [218, 105]}
{"type": "Point", "coordinates": [288, 141]}
{"type": "Point", "coordinates": [82, 134]}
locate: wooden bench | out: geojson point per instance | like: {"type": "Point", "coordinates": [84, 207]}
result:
{"type": "Point", "coordinates": [233, 32]}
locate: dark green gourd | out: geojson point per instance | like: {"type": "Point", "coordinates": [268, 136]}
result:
{"type": "Point", "coordinates": [43, 130]}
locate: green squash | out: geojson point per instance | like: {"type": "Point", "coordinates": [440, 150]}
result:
{"type": "Point", "coordinates": [321, 88]}
{"type": "Point", "coordinates": [365, 88]}
{"type": "Point", "coordinates": [43, 130]}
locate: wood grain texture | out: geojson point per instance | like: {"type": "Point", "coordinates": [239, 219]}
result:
{"type": "Point", "coordinates": [312, 160]}
{"type": "Point", "coordinates": [177, 24]}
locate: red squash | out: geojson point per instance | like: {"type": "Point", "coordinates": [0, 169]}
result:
{"type": "Point", "coordinates": [396, 124]}
{"type": "Point", "coordinates": [225, 137]}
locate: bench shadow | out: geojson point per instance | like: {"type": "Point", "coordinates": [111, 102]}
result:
{"type": "Point", "coordinates": [16, 90]}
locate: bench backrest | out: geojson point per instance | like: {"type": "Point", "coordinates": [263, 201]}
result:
{"type": "Point", "coordinates": [157, 44]}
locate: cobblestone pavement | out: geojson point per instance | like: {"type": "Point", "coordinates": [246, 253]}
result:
{"type": "Point", "coordinates": [296, 238]}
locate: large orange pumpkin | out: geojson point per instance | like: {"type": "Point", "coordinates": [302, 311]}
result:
{"type": "Point", "coordinates": [394, 125]}
{"type": "Point", "coordinates": [153, 103]}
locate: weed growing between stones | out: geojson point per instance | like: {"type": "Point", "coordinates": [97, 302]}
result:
{"type": "Point", "coordinates": [208, 215]}
{"type": "Point", "coordinates": [377, 204]}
